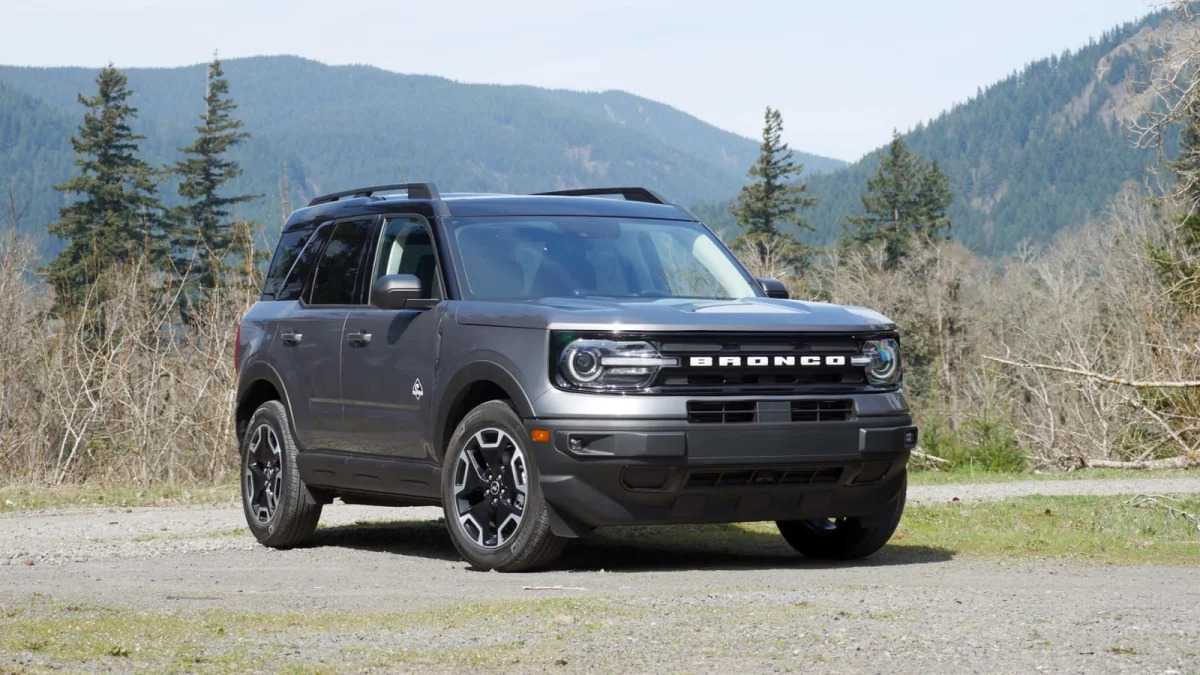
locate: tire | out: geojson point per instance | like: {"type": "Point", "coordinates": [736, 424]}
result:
{"type": "Point", "coordinates": [498, 520]}
{"type": "Point", "coordinates": [278, 506]}
{"type": "Point", "coordinates": [845, 538]}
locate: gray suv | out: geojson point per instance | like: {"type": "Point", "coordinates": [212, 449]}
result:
{"type": "Point", "coordinates": [543, 365]}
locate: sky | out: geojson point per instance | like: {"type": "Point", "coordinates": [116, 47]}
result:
{"type": "Point", "coordinates": [843, 74]}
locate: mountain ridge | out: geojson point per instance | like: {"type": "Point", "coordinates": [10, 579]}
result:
{"type": "Point", "coordinates": [335, 127]}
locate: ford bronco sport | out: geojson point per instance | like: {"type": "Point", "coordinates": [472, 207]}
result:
{"type": "Point", "coordinates": [543, 365]}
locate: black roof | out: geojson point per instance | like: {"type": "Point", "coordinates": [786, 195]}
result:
{"type": "Point", "coordinates": [350, 204]}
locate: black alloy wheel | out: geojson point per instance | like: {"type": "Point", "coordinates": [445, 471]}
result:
{"type": "Point", "coordinates": [491, 484]}
{"type": "Point", "coordinates": [263, 474]}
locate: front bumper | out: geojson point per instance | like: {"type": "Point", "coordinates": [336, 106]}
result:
{"type": "Point", "coordinates": [598, 472]}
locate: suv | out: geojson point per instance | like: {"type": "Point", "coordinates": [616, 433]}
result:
{"type": "Point", "coordinates": [543, 365]}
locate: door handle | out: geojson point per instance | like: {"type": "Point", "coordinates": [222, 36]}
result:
{"type": "Point", "coordinates": [361, 337]}
{"type": "Point", "coordinates": [291, 337]}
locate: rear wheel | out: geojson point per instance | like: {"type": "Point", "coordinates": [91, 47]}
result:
{"type": "Point", "coordinates": [494, 508]}
{"type": "Point", "coordinates": [845, 538]}
{"type": "Point", "coordinates": [279, 508]}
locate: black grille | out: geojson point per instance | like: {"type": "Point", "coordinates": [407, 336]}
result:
{"type": "Point", "coordinates": [721, 412]}
{"type": "Point", "coordinates": [772, 378]}
{"type": "Point", "coordinates": [834, 410]}
{"type": "Point", "coordinates": [770, 412]}
{"type": "Point", "coordinates": [719, 478]}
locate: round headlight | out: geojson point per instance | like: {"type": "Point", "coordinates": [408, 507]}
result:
{"type": "Point", "coordinates": [582, 363]}
{"type": "Point", "coordinates": [885, 362]}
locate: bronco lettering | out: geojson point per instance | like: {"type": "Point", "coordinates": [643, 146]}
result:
{"type": "Point", "coordinates": [760, 361]}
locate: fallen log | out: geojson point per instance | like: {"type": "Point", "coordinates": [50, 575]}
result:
{"type": "Point", "coordinates": [1181, 462]}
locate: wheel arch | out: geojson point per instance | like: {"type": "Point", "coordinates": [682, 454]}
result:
{"type": "Point", "coordinates": [260, 383]}
{"type": "Point", "coordinates": [474, 385]}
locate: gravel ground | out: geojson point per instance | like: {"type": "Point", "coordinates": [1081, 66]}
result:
{"type": "Point", "coordinates": [638, 605]}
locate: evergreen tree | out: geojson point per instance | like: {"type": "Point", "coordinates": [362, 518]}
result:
{"type": "Point", "coordinates": [771, 200]}
{"type": "Point", "coordinates": [774, 197]}
{"type": "Point", "coordinates": [905, 201]}
{"type": "Point", "coordinates": [117, 218]}
{"type": "Point", "coordinates": [933, 199]}
{"type": "Point", "coordinates": [1179, 269]}
{"type": "Point", "coordinates": [202, 236]}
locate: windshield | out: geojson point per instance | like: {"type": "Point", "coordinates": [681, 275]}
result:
{"type": "Point", "coordinates": [536, 257]}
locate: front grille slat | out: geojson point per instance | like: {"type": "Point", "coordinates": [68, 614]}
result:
{"type": "Point", "coordinates": [763, 477]}
{"type": "Point", "coordinates": [816, 410]}
{"type": "Point", "coordinates": [722, 412]}
{"type": "Point", "coordinates": [747, 412]}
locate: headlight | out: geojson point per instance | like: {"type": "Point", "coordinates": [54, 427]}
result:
{"type": "Point", "coordinates": [884, 368]}
{"type": "Point", "coordinates": [610, 365]}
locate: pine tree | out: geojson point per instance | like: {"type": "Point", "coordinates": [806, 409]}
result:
{"type": "Point", "coordinates": [117, 217]}
{"type": "Point", "coordinates": [1177, 266]}
{"type": "Point", "coordinates": [905, 201]}
{"type": "Point", "coordinates": [771, 200]}
{"type": "Point", "coordinates": [933, 198]}
{"type": "Point", "coordinates": [775, 195]}
{"type": "Point", "coordinates": [202, 236]}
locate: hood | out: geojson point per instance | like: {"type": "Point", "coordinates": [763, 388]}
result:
{"type": "Point", "coordinates": [668, 314]}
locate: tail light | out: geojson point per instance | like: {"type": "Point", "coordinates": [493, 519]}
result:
{"type": "Point", "coordinates": [237, 341]}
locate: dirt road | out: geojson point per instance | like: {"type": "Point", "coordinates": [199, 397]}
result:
{"type": "Point", "coordinates": [635, 600]}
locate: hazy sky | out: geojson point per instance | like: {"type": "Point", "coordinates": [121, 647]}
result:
{"type": "Point", "coordinates": [844, 73]}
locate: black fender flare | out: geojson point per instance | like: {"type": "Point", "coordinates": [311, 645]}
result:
{"type": "Point", "coordinates": [451, 395]}
{"type": "Point", "coordinates": [257, 371]}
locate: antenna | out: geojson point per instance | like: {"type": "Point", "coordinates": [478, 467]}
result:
{"type": "Point", "coordinates": [403, 179]}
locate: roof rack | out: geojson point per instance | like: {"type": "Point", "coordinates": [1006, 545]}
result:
{"type": "Point", "coordinates": [415, 191]}
{"type": "Point", "coordinates": [631, 194]}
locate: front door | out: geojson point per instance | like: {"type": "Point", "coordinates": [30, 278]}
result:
{"type": "Point", "coordinates": [388, 356]}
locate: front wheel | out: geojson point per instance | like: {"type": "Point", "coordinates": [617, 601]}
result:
{"type": "Point", "coordinates": [845, 538]}
{"type": "Point", "coordinates": [494, 508]}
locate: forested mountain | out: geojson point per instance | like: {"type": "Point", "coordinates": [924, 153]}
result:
{"type": "Point", "coordinates": [1040, 150]}
{"type": "Point", "coordinates": [333, 127]}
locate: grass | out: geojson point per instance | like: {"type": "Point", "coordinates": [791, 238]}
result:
{"type": "Point", "coordinates": [1092, 529]}
{"type": "Point", "coordinates": [43, 632]}
{"type": "Point", "coordinates": [33, 498]}
{"type": "Point", "coordinates": [918, 476]}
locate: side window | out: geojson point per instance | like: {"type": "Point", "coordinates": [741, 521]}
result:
{"type": "Point", "coordinates": [290, 245]}
{"type": "Point", "coordinates": [300, 269]}
{"type": "Point", "coordinates": [405, 247]}
{"type": "Point", "coordinates": [337, 272]}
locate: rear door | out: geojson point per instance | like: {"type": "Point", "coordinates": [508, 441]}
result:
{"type": "Point", "coordinates": [313, 331]}
{"type": "Point", "coordinates": [388, 356]}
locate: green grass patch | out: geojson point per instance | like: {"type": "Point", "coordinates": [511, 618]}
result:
{"type": "Point", "coordinates": [32, 498]}
{"type": "Point", "coordinates": [40, 631]}
{"type": "Point", "coordinates": [1093, 529]}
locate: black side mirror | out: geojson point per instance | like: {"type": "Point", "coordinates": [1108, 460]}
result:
{"type": "Point", "coordinates": [394, 291]}
{"type": "Point", "coordinates": [774, 288]}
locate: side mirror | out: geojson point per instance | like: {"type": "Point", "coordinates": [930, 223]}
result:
{"type": "Point", "coordinates": [774, 288]}
{"type": "Point", "coordinates": [394, 291]}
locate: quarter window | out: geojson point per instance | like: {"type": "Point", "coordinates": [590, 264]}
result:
{"type": "Point", "coordinates": [300, 269]}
